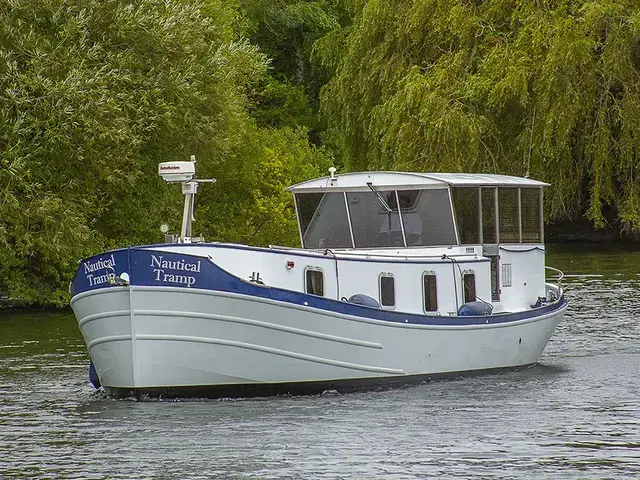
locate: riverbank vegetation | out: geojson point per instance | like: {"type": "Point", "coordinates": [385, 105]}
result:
{"type": "Point", "coordinates": [266, 93]}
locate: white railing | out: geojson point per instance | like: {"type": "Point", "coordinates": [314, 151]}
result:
{"type": "Point", "coordinates": [559, 276]}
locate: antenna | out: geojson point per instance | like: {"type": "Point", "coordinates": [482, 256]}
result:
{"type": "Point", "coordinates": [533, 122]}
{"type": "Point", "coordinates": [184, 173]}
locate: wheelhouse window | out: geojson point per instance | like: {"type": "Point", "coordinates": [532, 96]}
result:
{"type": "Point", "coordinates": [430, 292]}
{"type": "Point", "coordinates": [531, 205]}
{"type": "Point", "coordinates": [509, 215]}
{"type": "Point", "coordinates": [426, 220]}
{"type": "Point", "coordinates": [314, 281]}
{"type": "Point", "coordinates": [465, 201]}
{"type": "Point", "coordinates": [518, 211]}
{"type": "Point", "coordinates": [489, 234]}
{"type": "Point", "coordinates": [387, 290]}
{"type": "Point", "coordinates": [469, 286]}
{"type": "Point", "coordinates": [373, 224]}
{"type": "Point", "coordinates": [366, 219]}
{"type": "Point", "coordinates": [323, 220]}
{"type": "Point", "coordinates": [427, 217]}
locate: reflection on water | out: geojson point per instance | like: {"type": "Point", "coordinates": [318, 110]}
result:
{"type": "Point", "coordinates": [605, 261]}
{"type": "Point", "coordinates": [575, 415]}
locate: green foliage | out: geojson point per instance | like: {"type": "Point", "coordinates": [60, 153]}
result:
{"type": "Point", "coordinates": [93, 95]}
{"type": "Point", "coordinates": [249, 203]}
{"type": "Point", "coordinates": [282, 104]}
{"type": "Point", "coordinates": [495, 86]}
{"type": "Point", "coordinates": [286, 31]}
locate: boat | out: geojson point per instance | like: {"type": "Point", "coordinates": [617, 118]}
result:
{"type": "Point", "coordinates": [401, 278]}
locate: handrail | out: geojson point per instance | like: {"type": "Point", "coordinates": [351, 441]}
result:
{"type": "Point", "coordinates": [560, 275]}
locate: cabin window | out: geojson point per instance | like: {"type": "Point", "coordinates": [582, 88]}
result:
{"type": "Point", "coordinates": [430, 292]}
{"type": "Point", "coordinates": [489, 234]}
{"type": "Point", "coordinates": [314, 281]}
{"type": "Point", "coordinates": [465, 201]}
{"type": "Point", "coordinates": [323, 220]}
{"type": "Point", "coordinates": [372, 223]}
{"type": "Point", "coordinates": [530, 200]}
{"type": "Point", "coordinates": [469, 286]}
{"type": "Point", "coordinates": [387, 290]}
{"type": "Point", "coordinates": [427, 217]}
{"type": "Point", "coordinates": [509, 215]}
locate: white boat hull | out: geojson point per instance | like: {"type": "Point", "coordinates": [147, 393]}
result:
{"type": "Point", "coordinates": [178, 341]}
{"type": "Point", "coordinates": [403, 277]}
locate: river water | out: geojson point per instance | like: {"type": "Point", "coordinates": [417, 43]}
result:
{"type": "Point", "coordinates": [576, 415]}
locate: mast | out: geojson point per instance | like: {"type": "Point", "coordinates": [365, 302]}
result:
{"type": "Point", "coordinates": [184, 173]}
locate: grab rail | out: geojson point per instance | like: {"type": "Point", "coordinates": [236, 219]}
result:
{"type": "Point", "coordinates": [560, 276]}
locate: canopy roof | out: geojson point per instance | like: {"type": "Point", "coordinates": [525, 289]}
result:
{"type": "Point", "coordinates": [410, 180]}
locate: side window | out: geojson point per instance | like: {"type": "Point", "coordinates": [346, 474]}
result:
{"type": "Point", "coordinates": [314, 281]}
{"type": "Point", "coordinates": [469, 281]}
{"type": "Point", "coordinates": [430, 292]}
{"type": "Point", "coordinates": [467, 208]}
{"type": "Point", "coordinates": [509, 215]}
{"type": "Point", "coordinates": [489, 234]}
{"type": "Point", "coordinates": [530, 199]}
{"type": "Point", "coordinates": [323, 220]}
{"type": "Point", "coordinates": [387, 290]}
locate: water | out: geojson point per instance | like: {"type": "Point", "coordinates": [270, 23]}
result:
{"type": "Point", "coordinates": [574, 416]}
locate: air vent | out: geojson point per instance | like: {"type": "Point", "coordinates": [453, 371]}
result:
{"type": "Point", "coordinates": [506, 275]}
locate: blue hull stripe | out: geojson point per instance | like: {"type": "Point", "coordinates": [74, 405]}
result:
{"type": "Point", "coordinates": [154, 268]}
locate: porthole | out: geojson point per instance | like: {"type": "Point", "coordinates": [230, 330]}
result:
{"type": "Point", "coordinates": [387, 290]}
{"type": "Point", "coordinates": [430, 292]}
{"type": "Point", "coordinates": [314, 281]}
{"type": "Point", "coordinates": [469, 282]}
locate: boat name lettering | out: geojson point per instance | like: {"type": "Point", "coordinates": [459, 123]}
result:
{"type": "Point", "coordinates": [163, 265]}
{"type": "Point", "coordinates": [100, 264]}
{"type": "Point", "coordinates": [91, 268]}
{"type": "Point", "coordinates": [179, 265]}
{"type": "Point", "coordinates": [100, 279]}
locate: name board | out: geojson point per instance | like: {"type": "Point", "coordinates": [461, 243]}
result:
{"type": "Point", "coordinates": [151, 267]}
{"type": "Point", "coordinates": [101, 271]}
{"type": "Point", "coordinates": [179, 272]}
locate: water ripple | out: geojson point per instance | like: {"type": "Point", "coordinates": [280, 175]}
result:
{"type": "Point", "coordinates": [575, 415]}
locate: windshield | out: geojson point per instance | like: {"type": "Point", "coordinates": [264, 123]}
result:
{"type": "Point", "coordinates": [427, 219]}
{"type": "Point", "coordinates": [323, 220]}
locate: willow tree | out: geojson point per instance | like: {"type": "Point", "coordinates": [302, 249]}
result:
{"type": "Point", "coordinates": [549, 87]}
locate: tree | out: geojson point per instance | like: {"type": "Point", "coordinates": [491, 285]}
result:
{"type": "Point", "coordinates": [286, 31]}
{"type": "Point", "coordinates": [93, 95]}
{"type": "Point", "coordinates": [249, 204]}
{"type": "Point", "coordinates": [546, 87]}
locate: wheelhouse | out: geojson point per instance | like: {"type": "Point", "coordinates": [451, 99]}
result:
{"type": "Point", "coordinates": [398, 210]}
